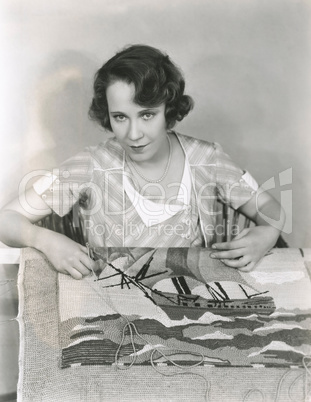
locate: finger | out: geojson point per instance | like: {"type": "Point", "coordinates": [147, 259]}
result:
{"type": "Point", "coordinates": [252, 264]}
{"type": "Point", "coordinates": [228, 254]}
{"type": "Point", "coordinates": [74, 262]}
{"type": "Point", "coordinates": [249, 267]}
{"type": "Point", "coordinates": [84, 249]}
{"type": "Point", "coordinates": [239, 263]}
{"type": "Point", "coordinates": [229, 245]}
{"type": "Point", "coordinates": [74, 273]}
{"type": "Point", "coordinates": [87, 262]}
{"type": "Point", "coordinates": [91, 267]}
{"type": "Point", "coordinates": [79, 266]}
{"type": "Point", "coordinates": [243, 233]}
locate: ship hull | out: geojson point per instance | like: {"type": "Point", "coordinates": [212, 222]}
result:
{"type": "Point", "coordinates": [179, 306]}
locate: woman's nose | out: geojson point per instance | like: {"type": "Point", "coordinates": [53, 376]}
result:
{"type": "Point", "coordinates": [134, 132]}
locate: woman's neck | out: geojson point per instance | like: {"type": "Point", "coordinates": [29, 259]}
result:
{"type": "Point", "coordinates": [167, 187]}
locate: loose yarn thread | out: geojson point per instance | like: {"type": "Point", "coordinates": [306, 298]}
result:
{"type": "Point", "coordinates": [132, 327]}
{"type": "Point", "coordinates": [252, 391]}
{"type": "Point", "coordinates": [134, 331]}
{"type": "Point", "coordinates": [306, 375]}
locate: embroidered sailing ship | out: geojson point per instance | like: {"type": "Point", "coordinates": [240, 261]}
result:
{"type": "Point", "coordinates": [145, 271]}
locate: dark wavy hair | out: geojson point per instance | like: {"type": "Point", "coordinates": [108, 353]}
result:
{"type": "Point", "coordinates": [156, 79]}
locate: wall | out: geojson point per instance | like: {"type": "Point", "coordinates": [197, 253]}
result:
{"type": "Point", "coordinates": [246, 63]}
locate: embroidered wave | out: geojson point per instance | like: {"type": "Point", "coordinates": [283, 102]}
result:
{"type": "Point", "coordinates": [220, 340]}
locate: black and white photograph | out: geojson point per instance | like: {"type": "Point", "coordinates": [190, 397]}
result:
{"type": "Point", "coordinates": [155, 240]}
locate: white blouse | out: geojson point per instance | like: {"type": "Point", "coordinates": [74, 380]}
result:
{"type": "Point", "coordinates": [153, 213]}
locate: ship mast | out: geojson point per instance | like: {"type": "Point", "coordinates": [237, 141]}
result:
{"type": "Point", "coordinates": [181, 285]}
{"type": "Point", "coordinates": [216, 295]}
{"type": "Point", "coordinates": [141, 274]}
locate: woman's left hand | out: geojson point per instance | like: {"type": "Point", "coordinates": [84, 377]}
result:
{"type": "Point", "coordinates": [246, 249]}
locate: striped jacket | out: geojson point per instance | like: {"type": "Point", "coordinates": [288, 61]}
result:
{"type": "Point", "coordinates": [93, 179]}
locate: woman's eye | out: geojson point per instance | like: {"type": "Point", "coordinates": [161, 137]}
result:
{"type": "Point", "coordinates": [119, 118]}
{"type": "Point", "coordinates": [148, 116]}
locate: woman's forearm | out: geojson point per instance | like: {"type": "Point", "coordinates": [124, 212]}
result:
{"type": "Point", "coordinates": [65, 255]}
{"type": "Point", "coordinates": [264, 210]}
{"type": "Point", "coordinates": [271, 214]}
{"type": "Point", "coordinates": [17, 231]}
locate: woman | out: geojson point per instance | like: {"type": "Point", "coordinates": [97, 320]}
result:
{"type": "Point", "coordinates": [147, 186]}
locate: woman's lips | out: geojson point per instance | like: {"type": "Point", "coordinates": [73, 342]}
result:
{"type": "Point", "coordinates": [138, 148]}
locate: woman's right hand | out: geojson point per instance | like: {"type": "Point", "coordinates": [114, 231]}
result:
{"type": "Point", "coordinates": [66, 256]}
{"type": "Point", "coordinates": [17, 230]}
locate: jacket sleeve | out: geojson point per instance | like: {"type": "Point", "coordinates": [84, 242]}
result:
{"type": "Point", "coordinates": [235, 186]}
{"type": "Point", "coordinates": [64, 186]}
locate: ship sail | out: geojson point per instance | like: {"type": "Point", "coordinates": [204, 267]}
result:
{"type": "Point", "coordinates": [172, 262]}
{"type": "Point", "coordinates": [196, 262]}
{"type": "Point", "coordinates": [143, 268]}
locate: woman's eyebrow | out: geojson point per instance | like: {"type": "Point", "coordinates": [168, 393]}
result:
{"type": "Point", "coordinates": [116, 112]}
{"type": "Point", "coordinates": [140, 112]}
{"type": "Point", "coordinates": [148, 110]}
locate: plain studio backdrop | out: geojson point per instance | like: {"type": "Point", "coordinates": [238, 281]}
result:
{"type": "Point", "coordinates": [246, 64]}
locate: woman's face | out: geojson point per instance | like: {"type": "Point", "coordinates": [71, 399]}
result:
{"type": "Point", "coordinates": [141, 131]}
